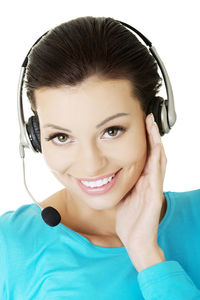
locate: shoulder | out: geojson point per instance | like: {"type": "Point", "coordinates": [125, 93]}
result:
{"type": "Point", "coordinates": [191, 197]}
{"type": "Point", "coordinates": [22, 224]}
{"type": "Point", "coordinates": [26, 217]}
{"type": "Point", "coordinates": [13, 231]}
{"type": "Point", "coordinates": [17, 219]}
{"type": "Point", "coordinates": [185, 206]}
{"type": "Point", "coordinates": [15, 216]}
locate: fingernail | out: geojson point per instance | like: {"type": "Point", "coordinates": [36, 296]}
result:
{"type": "Point", "coordinates": [152, 117]}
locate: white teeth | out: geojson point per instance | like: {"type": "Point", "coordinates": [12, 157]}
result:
{"type": "Point", "coordinates": [98, 182]}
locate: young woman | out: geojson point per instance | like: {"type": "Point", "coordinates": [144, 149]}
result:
{"type": "Point", "coordinates": [90, 83]}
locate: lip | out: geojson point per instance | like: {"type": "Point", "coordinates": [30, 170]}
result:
{"type": "Point", "coordinates": [99, 190]}
{"type": "Point", "coordinates": [97, 178]}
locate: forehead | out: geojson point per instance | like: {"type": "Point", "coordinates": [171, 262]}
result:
{"type": "Point", "coordinates": [93, 96]}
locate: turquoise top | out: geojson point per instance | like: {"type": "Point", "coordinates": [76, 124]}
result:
{"type": "Point", "coordinates": [42, 262]}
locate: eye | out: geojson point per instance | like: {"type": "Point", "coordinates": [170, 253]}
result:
{"type": "Point", "coordinates": [58, 135]}
{"type": "Point", "coordinates": [64, 137]}
{"type": "Point", "coordinates": [114, 129]}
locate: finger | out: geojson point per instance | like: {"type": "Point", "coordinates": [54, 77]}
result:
{"type": "Point", "coordinates": [155, 133]}
{"type": "Point", "coordinates": [154, 140]}
{"type": "Point", "coordinates": [157, 140]}
{"type": "Point", "coordinates": [157, 161]}
{"type": "Point", "coordinates": [154, 165]}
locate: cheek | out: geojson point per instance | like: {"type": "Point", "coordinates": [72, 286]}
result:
{"type": "Point", "coordinates": [133, 152]}
{"type": "Point", "coordinates": [55, 164]}
{"type": "Point", "coordinates": [52, 158]}
{"type": "Point", "coordinates": [134, 159]}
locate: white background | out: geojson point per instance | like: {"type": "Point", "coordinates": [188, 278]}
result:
{"type": "Point", "coordinates": [172, 27]}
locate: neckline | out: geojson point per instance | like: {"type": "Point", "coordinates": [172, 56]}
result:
{"type": "Point", "coordinates": [115, 250]}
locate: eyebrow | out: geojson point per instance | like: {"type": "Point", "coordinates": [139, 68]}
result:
{"type": "Point", "coordinates": [97, 126]}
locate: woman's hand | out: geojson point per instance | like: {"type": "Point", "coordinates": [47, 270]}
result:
{"type": "Point", "coordinates": [138, 215]}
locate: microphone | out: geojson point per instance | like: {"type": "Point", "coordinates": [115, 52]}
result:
{"type": "Point", "coordinates": [49, 214]}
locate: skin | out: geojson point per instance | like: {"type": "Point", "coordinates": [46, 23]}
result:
{"type": "Point", "coordinates": [88, 153]}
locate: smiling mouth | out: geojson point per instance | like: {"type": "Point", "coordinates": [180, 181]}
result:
{"type": "Point", "coordinates": [99, 189]}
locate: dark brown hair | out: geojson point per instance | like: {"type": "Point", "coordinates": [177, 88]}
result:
{"type": "Point", "coordinates": [71, 52]}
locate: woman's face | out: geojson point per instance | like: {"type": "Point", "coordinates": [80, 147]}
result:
{"type": "Point", "coordinates": [87, 151]}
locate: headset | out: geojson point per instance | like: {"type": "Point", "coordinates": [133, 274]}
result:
{"type": "Point", "coordinates": [163, 111]}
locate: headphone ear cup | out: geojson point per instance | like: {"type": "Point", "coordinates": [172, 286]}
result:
{"type": "Point", "coordinates": [155, 108]}
{"type": "Point", "coordinates": [33, 129]}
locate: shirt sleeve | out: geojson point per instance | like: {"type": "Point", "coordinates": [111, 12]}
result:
{"type": "Point", "coordinates": [167, 280]}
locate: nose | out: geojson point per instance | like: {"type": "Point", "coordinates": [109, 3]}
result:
{"type": "Point", "coordinates": [91, 159]}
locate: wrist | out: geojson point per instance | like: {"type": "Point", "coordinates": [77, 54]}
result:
{"type": "Point", "coordinates": [145, 259]}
